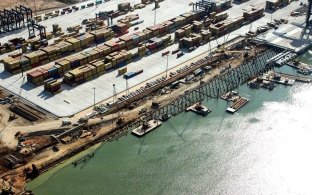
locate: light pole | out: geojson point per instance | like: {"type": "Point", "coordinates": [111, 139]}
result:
{"type": "Point", "coordinates": [94, 96]}
{"type": "Point", "coordinates": [167, 65]}
{"type": "Point", "coordinates": [35, 8]}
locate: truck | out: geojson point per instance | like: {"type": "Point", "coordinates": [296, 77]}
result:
{"type": "Point", "coordinates": [131, 74]}
{"type": "Point", "coordinates": [181, 53]}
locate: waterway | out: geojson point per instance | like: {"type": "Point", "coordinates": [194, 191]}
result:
{"type": "Point", "coordinates": [265, 148]}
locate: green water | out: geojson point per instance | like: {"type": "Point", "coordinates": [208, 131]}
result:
{"type": "Point", "coordinates": [263, 149]}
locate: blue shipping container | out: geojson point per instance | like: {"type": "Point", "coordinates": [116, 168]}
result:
{"type": "Point", "coordinates": [121, 64]}
{"type": "Point", "coordinates": [135, 39]}
{"type": "Point", "coordinates": [135, 56]}
{"type": "Point", "coordinates": [99, 40]}
{"type": "Point", "coordinates": [74, 64]}
{"type": "Point", "coordinates": [53, 71]}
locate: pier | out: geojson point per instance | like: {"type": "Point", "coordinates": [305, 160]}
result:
{"type": "Point", "coordinates": [278, 78]}
{"type": "Point", "coordinates": [296, 78]}
{"type": "Point", "coordinates": [214, 88]}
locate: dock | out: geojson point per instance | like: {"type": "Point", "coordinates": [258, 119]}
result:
{"type": "Point", "coordinates": [146, 128]}
{"type": "Point", "coordinates": [199, 109]}
{"type": "Point", "coordinates": [240, 102]}
{"type": "Point", "coordinates": [278, 78]}
{"type": "Point", "coordinates": [296, 78]}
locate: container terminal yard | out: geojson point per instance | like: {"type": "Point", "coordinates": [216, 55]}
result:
{"type": "Point", "coordinates": [85, 73]}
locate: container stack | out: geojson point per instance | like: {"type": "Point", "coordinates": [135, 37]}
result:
{"type": "Point", "coordinates": [272, 4]}
{"type": "Point", "coordinates": [85, 73]}
{"type": "Point", "coordinates": [222, 5]}
{"type": "Point", "coordinates": [197, 26]}
{"type": "Point", "coordinates": [142, 50]}
{"type": "Point", "coordinates": [121, 28]}
{"type": "Point", "coordinates": [35, 77]}
{"type": "Point", "coordinates": [99, 65]}
{"type": "Point", "coordinates": [219, 17]}
{"type": "Point", "coordinates": [191, 41]}
{"type": "Point", "coordinates": [86, 40]}
{"type": "Point", "coordinates": [52, 85]}
{"type": "Point", "coordinates": [12, 65]}
{"type": "Point", "coordinates": [122, 71]}
{"type": "Point", "coordinates": [63, 65]}
{"type": "Point", "coordinates": [155, 43]}
{"type": "Point", "coordinates": [253, 14]}
{"type": "Point", "coordinates": [206, 35]}
{"type": "Point", "coordinates": [112, 45]}
{"type": "Point", "coordinates": [124, 7]}
{"type": "Point", "coordinates": [56, 29]}
{"type": "Point", "coordinates": [75, 42]}
{"type": "Point", "coordinates": [102, 35]}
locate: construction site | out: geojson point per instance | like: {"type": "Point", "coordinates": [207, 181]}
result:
{"type": "Point", "coordinates": [90, 72]}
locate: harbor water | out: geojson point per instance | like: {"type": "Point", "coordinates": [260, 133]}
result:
{"type": "Point", "coordinates": [264, 148]}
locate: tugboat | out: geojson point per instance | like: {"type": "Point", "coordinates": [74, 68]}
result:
{"type": "Point", "coordinates": [199, 109]}
{"type": "Point", "coordinates": [164, 117]}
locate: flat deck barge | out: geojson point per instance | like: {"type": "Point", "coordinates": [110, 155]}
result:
{"type": "Point", "coordinates": [146, 128]}
{"type": "Point", "coordinates": [278, 78]}
{"type": "Point", "coordinates": [296, 78]}
{"type": "Point", "coordinates": [240, 102]}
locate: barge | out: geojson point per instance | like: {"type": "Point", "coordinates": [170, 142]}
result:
{"type": "Point", "coordinates": [237, 104]}
{"type": "Point", "coordinates": [146, 128]}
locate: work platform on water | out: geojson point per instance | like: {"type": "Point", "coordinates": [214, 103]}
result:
{"type": "Point", "coordinates": [198, 108]}
{"type": "Point", "coordinates": [296, 78]}
{"type": "Point", "coordinates": [237, 104]}
{"type": "Point", "coordinates": [278, 78]}
{"type": "Point", "coordinates": [146, 127]}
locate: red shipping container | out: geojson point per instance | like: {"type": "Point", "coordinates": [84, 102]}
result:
{"type": "Point", "coordinates": [44, 72]}
{"type": "Point", "coordinates": [162, 29]}
{"type": "Point", "coordinates": [152, 46]}
{"type": "Point", "coordinates": [115, 47]}
{"type": "Point", "coordinates": [33, 75]}
{"type": "Point", "coordinates": [35, 65]}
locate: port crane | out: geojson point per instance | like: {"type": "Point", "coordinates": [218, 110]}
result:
{"type": "Point", "coordinates": [308, 15]}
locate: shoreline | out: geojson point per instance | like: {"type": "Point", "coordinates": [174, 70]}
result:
{"type": "Point", "coordinates": [110, 134]}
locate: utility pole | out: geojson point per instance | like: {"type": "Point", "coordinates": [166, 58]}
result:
{"type": "Point", "coordinates": [155, 17]}
{"type": "Point", "coordinates": [114, 94]}
{"type": "Point", "coordinates": [209, 49]}
{"type": "Point", "coordinates": [156, 6]}
{"type": "Point", "coordinates": [94, 97]}
{"type": "Point", "coordinates": [127, 87]}
{"type": "Point", "coordinates": [167, 66]}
